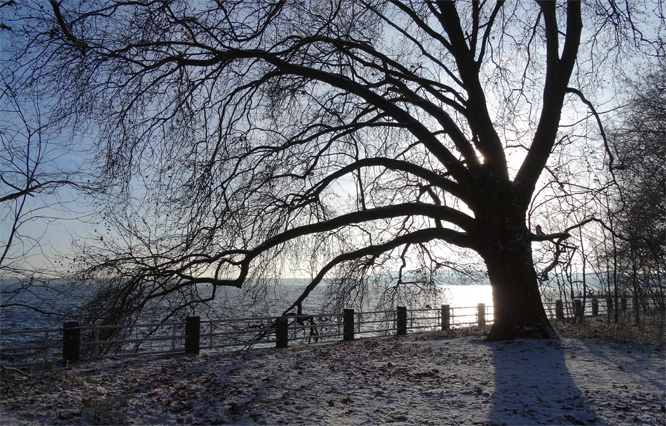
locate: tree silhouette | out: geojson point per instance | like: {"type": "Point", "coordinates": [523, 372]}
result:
{"type": "Point", "coordinates": [363, 133]}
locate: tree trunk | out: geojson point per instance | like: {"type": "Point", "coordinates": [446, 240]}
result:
{"type": "Point", "coordinates": [507, 252]}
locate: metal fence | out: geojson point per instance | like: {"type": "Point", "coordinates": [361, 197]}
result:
{"type": "Point", "coordinates": [592, 306]}
{"type": "Point", "coordinates": [73, 342]}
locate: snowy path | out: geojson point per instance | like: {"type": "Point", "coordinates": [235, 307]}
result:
{"type": "Point", "coordinates": [411, 380]}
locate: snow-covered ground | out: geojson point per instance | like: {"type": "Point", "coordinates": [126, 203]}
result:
{"type": "Point", "coordinates": [420, 379]}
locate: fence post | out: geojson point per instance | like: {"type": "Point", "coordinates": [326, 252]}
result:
{"type": "Point", "coordinates": [559, 310]}
{"type": "Point", "coordinates": [402, 319]}
{"type": "Point", "coordinates": [636, 303]}
{"type": "Point", "coordinates": [192, 334]}
{"type": "Point", "coordinates": [482, 314]}
{"type": "Point", "coordinates": [97, 342]}
{"type": "Point", "coordinates": [595, 307]}
{"type": "Point", "coordinates": [578, 308]}
{"type": "Point", "coordinates": [46, 347]}
{"type": "Point", "coordinates": [282, 332]}
{"type": "Point", "coordinates": [446, 317]}
{"type": "Point", "coordinates": [71, 342]}
{"type": "Point", "coordinates": [348, 326]}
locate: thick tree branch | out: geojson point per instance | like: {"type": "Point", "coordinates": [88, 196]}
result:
{"type": "Point", "coordinates": [65, 28]}
{"type": "Point", "coordinates": [388, 163]}
{"type": "Point", "coordinates": [581, 96]}
{"type": "Point", "coordinates": [420, 236]}
{"type": "Point", "coordinates": [35, 188]}
{"type": "Point", "coordinates": [558, 72]}
{"type": "Point", "coordinates": [549, 237]}
{"type": "Point", "coordinates": [419, 130]}
{"type": "Point", "coordinates": [442, 213]}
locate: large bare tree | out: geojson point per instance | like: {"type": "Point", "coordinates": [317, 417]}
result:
{"type": "Point", "coordinates": [352, 134]}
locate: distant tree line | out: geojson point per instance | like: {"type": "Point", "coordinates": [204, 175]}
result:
{"type": "Point", "coordinates": [618, 247]}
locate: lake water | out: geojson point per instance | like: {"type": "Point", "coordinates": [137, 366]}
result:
{"type": "Point", "coordinates": [53, 303]}
{"type": "Point", "coordinates": [248, 308]}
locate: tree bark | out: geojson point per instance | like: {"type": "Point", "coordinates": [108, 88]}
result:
{"type": "Point", "coordinates": [518, 308]}
{"type": "Point", "coordinates": [506, 249]}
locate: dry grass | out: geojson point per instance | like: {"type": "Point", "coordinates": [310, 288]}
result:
{"type": "Point", "coordinates": [454, 332]}
{"type": "Point", "coordinates": [650, 330]}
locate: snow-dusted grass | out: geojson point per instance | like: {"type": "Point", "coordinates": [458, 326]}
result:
{"type": "Point", "coordinates": [650, 330]}
{"type": "Point", "coordinates": [427, 378]}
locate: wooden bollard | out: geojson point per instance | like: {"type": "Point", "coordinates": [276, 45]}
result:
{"type": "Point", "coordinates": [282, 332]}
{"type": "Point", "coordinates": [578, 308]}
{"type": "Point", "coordinates": [402, 319]}
{"type": "Point", "coordinates": [482, 314]}
{"type": "Point", "coordinates": [446, 317]}
{"type": "Point", "coordinates": [595, 307]}
{"type": "Point", "coordinates": [192, 334]}
{"type": "Point", "coordinates": [71, 342]}
{"type": "Point", "coordinates": [559, 310]}
{"type": "Point", "coordinates": [348, 324]}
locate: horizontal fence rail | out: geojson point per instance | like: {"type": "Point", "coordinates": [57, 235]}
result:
{"type": "Point", "coordinates": [74, 342]}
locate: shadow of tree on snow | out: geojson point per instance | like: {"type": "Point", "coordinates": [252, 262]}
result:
{"type": "Point", "coordinates": [533, 386]}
